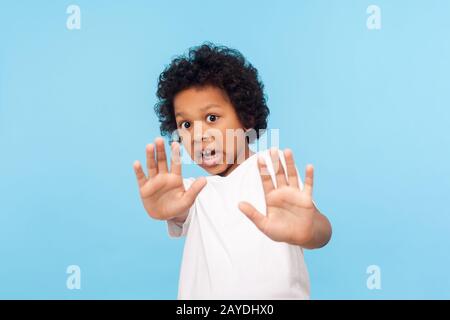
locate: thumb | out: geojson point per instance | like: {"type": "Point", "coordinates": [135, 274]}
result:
{"type": "Point", "coordinates": [193, 191]}
{"type": "Point", "coordinates": [254, 215]}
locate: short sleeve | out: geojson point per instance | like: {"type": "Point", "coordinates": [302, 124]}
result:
{"type": "Point", "coordinates": [177, 229]}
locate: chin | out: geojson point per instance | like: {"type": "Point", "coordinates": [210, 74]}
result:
{"type": "Point", "coordinates": [218, 169]}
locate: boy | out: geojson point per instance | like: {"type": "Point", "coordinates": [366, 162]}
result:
{"type": "Point", "coordinates": [246, 223]}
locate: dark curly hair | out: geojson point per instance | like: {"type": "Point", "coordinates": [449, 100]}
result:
{"type": "Point", "coordinates": [220, 67]}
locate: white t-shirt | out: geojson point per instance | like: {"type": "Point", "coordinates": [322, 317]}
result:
{"type": "Point", "coordinates": [225, 255]}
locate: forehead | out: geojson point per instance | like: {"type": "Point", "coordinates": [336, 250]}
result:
{"type": "Point", "coordinates": [198, 99]}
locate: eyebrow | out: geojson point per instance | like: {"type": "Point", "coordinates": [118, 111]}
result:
{"type": "Point", "coordinates": [208, 106]}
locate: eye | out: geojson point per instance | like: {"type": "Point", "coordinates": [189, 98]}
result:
{"type": "Point", "coordinates": [211, 118]}
{"type": "Point", "coordinates": [185, 125]}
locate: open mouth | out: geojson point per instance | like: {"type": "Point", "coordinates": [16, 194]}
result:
{"type": "Point", "coordinates": [209, 157]}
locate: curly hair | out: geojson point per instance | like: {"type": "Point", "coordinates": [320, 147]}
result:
{"type": "Point", "coordinates": [221, 67]}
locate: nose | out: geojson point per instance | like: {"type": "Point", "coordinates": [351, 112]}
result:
{"type": "Point", "coordinates": [201, 138]}
{"type": "Point", "coordinates": [202, 135]}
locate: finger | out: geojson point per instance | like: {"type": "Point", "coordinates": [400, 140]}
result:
{"type": "Point", "coordinates": [254, 215]}
{"type": "Point", "coordinates": [309, 179]}
{"type": "Point", "coordinates": [140, 175]}
{"type": "Point", "coordinates": [266, 179]}
{"type": "Point", "coordinates": [151, 164]}
{"type": "Point", "coordinates": [193, 191]}
{"type": "Point", "coordinates": [278, 169]}
{"type": "Point", "coordinates": [290, 168]}
{"type": "Point", "coordinates": [161, 158]}
{"type": "Point", "coordinates": [175, 162]}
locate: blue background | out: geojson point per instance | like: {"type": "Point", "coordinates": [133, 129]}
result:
{"type": "Point", "coordinates": [369, 108]}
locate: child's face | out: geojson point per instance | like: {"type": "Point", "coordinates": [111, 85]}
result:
{"type": "Point", "coordinates": [210, 129]}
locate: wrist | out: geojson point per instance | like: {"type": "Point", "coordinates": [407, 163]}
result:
{"type": "Point", "coordinates": [321, 231]}
{"type": "Point", "coordinates": [180, 218]}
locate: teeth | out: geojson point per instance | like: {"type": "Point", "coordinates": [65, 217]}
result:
{"type": "Point", "coordinates": [206, 153]}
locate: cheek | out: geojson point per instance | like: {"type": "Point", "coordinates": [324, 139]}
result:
{"type": "Point", "coordinates": [237, 136]}
{"type": "Point", "coordinates": [186, 141]}
{"type": "Point", "coordinates": [187, 145]}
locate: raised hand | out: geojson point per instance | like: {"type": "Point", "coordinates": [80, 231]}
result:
{"type": "Point", "coordinates": [162, 191]}
{"type": "Point", "coordinates": [291, 214]}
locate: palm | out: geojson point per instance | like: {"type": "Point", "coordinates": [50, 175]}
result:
{"type": "Point", "coordinates": [165, 192]}
{"type": "Point", "coordinates": [162, 192]}
{"type": "Point", "coordinates": [289, 210]}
